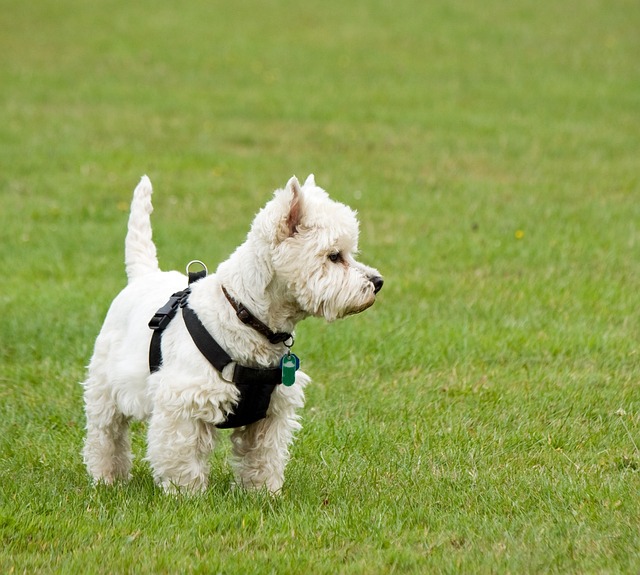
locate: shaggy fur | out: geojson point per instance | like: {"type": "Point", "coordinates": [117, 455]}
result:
{"type": "Point", "coordinates": [297, 261]}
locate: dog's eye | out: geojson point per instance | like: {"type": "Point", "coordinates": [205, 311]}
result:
{"type": "Point", "coordinates": [335, 257]}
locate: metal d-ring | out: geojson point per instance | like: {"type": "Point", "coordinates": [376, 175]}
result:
{"type": "Point", "coordinates": [193, 262]}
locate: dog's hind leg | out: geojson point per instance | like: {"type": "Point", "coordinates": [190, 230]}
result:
{"type": "Point", "coordinates": [107, 450]}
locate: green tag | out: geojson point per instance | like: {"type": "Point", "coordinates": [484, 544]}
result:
{"type": "Point", "coordinates": [289, 364]}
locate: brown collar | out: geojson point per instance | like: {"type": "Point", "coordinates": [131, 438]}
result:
{"type": "Point", "coordinates": [247, 318]}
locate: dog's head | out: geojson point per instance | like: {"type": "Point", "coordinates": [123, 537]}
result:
{"type": "Point", "coordinates": [312, 243]}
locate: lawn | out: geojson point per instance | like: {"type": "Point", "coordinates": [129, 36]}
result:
{"type": "Point", "coordinates": [482, 417]}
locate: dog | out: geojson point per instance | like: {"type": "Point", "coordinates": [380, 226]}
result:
{"type": "Point", "coordinates": [297, 261]}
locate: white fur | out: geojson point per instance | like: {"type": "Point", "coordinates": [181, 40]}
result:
{"type": "Point", "coordinates": [282, 273]}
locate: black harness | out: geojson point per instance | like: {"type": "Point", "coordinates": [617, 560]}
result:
{"type": "Point", "coordinates": [254, 384]}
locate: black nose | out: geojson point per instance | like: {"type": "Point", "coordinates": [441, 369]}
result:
{"type": "Point", "coordinates": [377, 282]}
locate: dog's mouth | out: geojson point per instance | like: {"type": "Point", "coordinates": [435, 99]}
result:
{"type": "Point", "coordinates": [365, 301]}
{"type": "Point", "coordinates": [376, 282]}
{"type": "Point", "coordinates": [332, 315]}
{"type": "Point", "coordinates": [361, 308]}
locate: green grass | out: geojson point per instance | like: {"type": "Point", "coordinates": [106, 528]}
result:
{"type": "Point", "coordinates": [483, 416]}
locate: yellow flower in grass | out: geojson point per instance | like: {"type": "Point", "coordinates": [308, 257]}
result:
{"type": "Point", "coordinates": [519, 234]}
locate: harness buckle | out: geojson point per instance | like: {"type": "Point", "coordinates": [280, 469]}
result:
{"type": "Point", "coordinates": [165, 314]}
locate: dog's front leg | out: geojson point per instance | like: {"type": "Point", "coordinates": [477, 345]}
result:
{"type": "Point", "coordinates": [178, 450]}
{"type": "Point", "coordinates": [261, 450]}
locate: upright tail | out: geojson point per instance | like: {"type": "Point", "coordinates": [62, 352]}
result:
{"type": "Point", "coordinates": [139, 250]}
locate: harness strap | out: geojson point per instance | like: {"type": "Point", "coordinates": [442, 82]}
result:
{"type": "Point", "coordinates": [166, 313]}
{"type": "Point", "coordinates": [219, 358]}
{"type": "Point", "coordinates": [158, 324]}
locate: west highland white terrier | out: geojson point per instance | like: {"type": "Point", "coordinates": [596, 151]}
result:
{"type": "Point", "coordinates": [227, 362]}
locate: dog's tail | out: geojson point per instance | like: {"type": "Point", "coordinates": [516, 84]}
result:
{"type": "Point", "coordinates": [139, 250]}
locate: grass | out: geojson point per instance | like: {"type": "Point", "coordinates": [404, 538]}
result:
{"type": "Point", "coordinates": [482, 417]}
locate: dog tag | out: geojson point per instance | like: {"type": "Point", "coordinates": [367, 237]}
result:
{"type": "Point", "coordinates": [289, 364]}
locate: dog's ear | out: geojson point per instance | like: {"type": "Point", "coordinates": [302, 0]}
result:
{"type": "Point", "coordinates": [310, 181]}
{"type": "Point", "coordinates": [294, 214]}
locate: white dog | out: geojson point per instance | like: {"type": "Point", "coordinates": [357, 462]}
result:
{"type": "Point", "coordinates": [297, 261]}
